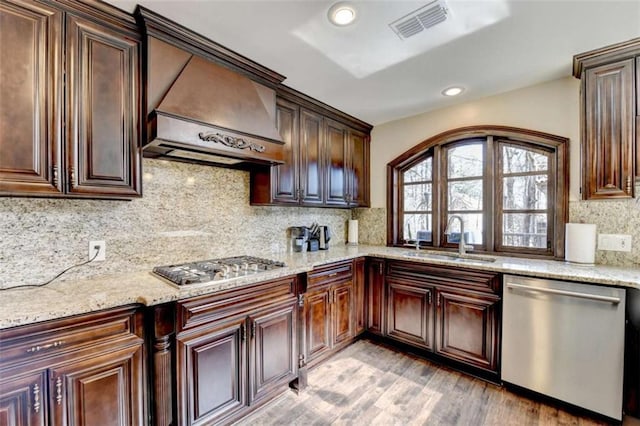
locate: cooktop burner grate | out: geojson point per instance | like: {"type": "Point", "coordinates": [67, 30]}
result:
{"type": "Point", "coordinates": [215, 269]}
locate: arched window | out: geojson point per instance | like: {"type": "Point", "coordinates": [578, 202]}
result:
{"type": "Point", "coordinates": [509, 185]}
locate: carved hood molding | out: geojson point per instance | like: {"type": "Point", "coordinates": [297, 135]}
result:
{"type": "Point", "coordinates": [207, 104]}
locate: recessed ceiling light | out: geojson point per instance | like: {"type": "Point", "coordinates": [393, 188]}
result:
{"type": "Point", "coordinates": [342, 14]}
{"type": "Point", "coordinates": [453, 91]}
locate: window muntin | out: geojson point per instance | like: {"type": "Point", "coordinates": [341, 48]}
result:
{"type": "Point", "coordinates": [528, 221]}
{"type": "Point", "coordinates": [417, 200]}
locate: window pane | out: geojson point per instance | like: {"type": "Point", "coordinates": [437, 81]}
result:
{"type": "Point", "coordinates": [473, 228]}
{"type": "Point", "coordinates": [417, 225]}
{"type": "Point", "coordinates": [421, 172]}
{"type": "Point", "coordinates": [525, 192]}
{"type": "Point", "coordinates": [516, 160]}
{"type": "Point", "coordinates": [524, 230]}
{"type": "Point", "coordinates": [465, 195]}
{"type": "Point", "coordinates": [465, 160]}
{"type": "Point", "coordinates": [417, 197]}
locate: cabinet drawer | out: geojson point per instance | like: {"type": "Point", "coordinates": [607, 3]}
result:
{"type": "Point", "coordinates": [482, 281]}
{"type": "Point", "coordinates": [330, 273]}
{"type": "Point", "coordinates": [25, 344]}
{"type": "Point", "coordinates": [200, 310]}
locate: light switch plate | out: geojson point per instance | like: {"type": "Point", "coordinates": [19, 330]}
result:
{"type": "Point", "coordinates": [614, 242]}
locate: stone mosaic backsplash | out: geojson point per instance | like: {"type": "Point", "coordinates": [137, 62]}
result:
{"type": "Point", "coordinates": [188, 212]}
{"type": "Point", "coordinates": [611, 217]}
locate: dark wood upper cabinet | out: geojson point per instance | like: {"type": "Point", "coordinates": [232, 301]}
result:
{"type": "Point", "coordinates": [311, 164]}
{"type": "Point", "coordinates": [358, 177]}
{"type": "Point", "coordinates": [609, 110]}
{"type": "Point", "coordinates": [69, 127]}
{"type": "Point", "coordinates": [30, 97]}
{"type": "Point", "coordinates": [326, 161]}
{"type": "Point", "coordinates": [336, 152]}
{"type": "Point", "coordinates": [103, 111]}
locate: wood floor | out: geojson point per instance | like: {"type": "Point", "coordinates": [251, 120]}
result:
{"type": "Point", "coordinates": [370, 384]}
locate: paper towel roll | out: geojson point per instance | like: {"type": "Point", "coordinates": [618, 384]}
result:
{"type": "Point", "coordinates": [580, 243]}
{"type": "Point", "coordinates": [352, 238]}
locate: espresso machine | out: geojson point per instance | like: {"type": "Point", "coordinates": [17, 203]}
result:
{"type": "Point", "coordinates": [311, 238]}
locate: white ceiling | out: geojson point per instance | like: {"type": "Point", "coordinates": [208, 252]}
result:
{"type": "Point", "coordinates": [365, 69]}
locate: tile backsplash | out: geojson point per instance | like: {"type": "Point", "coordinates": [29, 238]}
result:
{"type": "Point", "coordinates": [188, 212]}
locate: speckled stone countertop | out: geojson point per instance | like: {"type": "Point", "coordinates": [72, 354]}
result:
{"type": "Point", "coordinates": [61, 299]}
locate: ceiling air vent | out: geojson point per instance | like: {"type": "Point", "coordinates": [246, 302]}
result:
{"type": "Point", "coordinates": [420, 19]}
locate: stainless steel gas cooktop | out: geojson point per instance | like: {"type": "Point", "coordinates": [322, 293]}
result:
{"type": "Point", "coordinates": [215, 269]}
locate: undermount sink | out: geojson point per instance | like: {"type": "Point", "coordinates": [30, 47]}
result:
{"type": "Point", "coordinates": [456, 257]}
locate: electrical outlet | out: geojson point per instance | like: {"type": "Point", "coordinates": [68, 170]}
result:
{"type": "Point", "coordinates": [100, 247]}
{"type": "Point", "coordinates": [614, 242]}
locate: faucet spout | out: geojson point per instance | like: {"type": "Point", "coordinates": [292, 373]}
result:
{"type": "Point", "coordinates": [462, 246]}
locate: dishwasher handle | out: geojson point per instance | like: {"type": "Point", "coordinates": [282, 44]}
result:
{"type": "Point", "coordinates": [614, 300]}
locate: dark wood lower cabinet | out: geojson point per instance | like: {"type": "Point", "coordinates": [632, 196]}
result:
{"type": "Point", "coordinates": [359, 284]}
{"type": "Point", "coordinates": [212, 363]}
{"type": "Point", "coordinates": [342, 312]}
{"type": "Point", "coordinates": [410, 313]}
{"type": "Point", "coordinates": [317, 316]}
{"type": "Point", "coordinates": [375, 298]}
{"type": "Point", "coordinates": [467, 327]}
{"type": "Point", "coordinates": [106, 389]}
{"type": "Point", "coordinates": [235, 350]}
{"type": "Point", "coordinates": [449, 312]}
{"type": "Point", "coordinates": [22, 400]}
{"type": "Point", "coordinates": [84, 370]}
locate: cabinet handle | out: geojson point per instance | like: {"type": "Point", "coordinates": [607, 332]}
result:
{"type": "Point", "coordinates": [438, 300]}
{"type": "Point", "coordinates": [300, 300]}
{"type": "Point", "coordinates": [333, 274]}
{"type": "Point", "coordinates": [36, 398]}
{"type": "Point", "coordinates": [429, 296]}
{"type": "Point", "coordinates": [39, 348]}
{"type": "Point", "coordinates": [629, 185]}
{"type": "Point", "coordinates": [253, 329]}
{"type": "Point", "coordinates": [55, 176]}
{"type": "Point", "coordinates": [243, 332]}
{"type": "Point", "coordinates": [59, 390]}
{"type": "Point", "coordinates": [302, 193]}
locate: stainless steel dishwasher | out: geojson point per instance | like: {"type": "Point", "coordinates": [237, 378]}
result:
{"type": "Point", "coordinates": [565, 340]}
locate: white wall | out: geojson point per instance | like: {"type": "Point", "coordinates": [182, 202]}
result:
{"type": "Point", "coordinates": [551, 107]}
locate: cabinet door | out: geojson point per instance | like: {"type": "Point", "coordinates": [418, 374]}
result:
{"type": "Point", "coordinates": [273, 357]}
{"type": "Point", "coordinates": [30, 97]}
{"type": "Point", "coordinates": [23, 400]}
{"type": "Point", "coordinates": [375, 296]}
{"type": "Point", "coordinates": [359, 292]}
{"type": "Point", "coordinates": [409, 313]}
{"type": "Point", "coordinates": [103, 87]}
{"type": "Point", "coordinates": [609, 139]}
{"type": "Point", "coordinates": [337, 163]}
{"type": "Point", "coordinates": [107, 389]}
{"type": "Point", "coordinates": [467, 328]}
{"type": "Point", "coordinates": [285, 181]}
{"type": "Point", "coordinates": [212, 366]}
{"type": "Point", "coordinates": [358, 194]}
{"type": "Point", "coordinates": [317, 324]}
{"type": "Point", "coordinates": [311, 164]}
{"type": "Point", "coordinates": [342, 312]}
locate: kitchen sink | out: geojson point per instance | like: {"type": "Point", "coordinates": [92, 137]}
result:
{"type": "Point", "coordinates": [456, 257]}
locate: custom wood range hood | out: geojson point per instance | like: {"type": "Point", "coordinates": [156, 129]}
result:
{"type": "Point", "coordinates": [206, 104]}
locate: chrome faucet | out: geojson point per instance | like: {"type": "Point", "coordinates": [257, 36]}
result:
{"type": "Point", "coordinates": [462, 246]}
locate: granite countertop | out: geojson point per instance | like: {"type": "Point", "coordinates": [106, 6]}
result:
{"type": "Point", "coordinates": [66, 298]}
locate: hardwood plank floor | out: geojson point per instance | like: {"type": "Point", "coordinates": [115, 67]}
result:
{"type": "Point", "coordinates": [371, 384]}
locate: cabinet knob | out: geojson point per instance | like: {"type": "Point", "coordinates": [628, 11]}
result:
{"type": "Point", "coordinates": [55, 176]}
{"type": "Point", "coordinates": [438, 300]}
{"type": "Point", "coordinates": [72, 177]}
{"type": "Point", "coordinates": [429, 296]}
{"type": "Point", "coordinates": [629, 185]}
